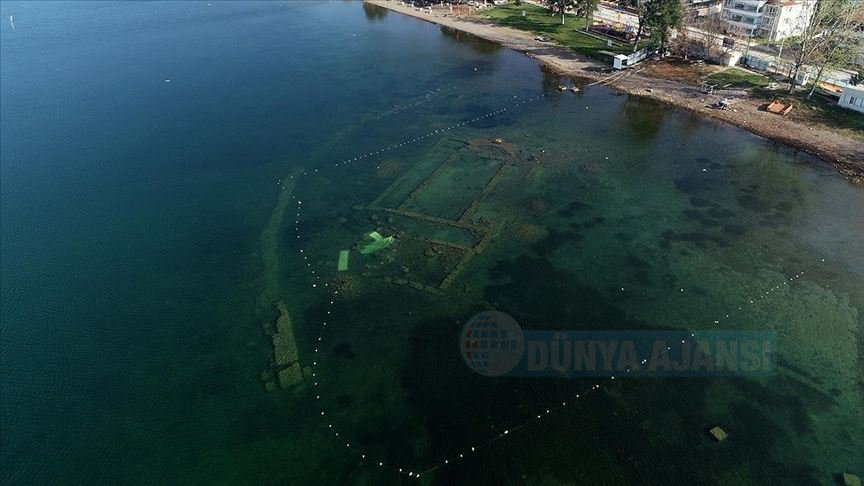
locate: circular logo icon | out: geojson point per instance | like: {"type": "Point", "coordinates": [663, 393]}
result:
{"type": "Point", "coordinates": [491, 343]}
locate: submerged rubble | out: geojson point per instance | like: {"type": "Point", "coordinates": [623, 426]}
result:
{"type": "Point", "coordinates": [719, 434]}
{"type": "Point", "coordinates": [525, 232]}
{"type": "Point", "coordinates": [284, 347]}
{"type": "Point", "coordinates": [345, 285]}
{"type": "Point", "coordinates": [286, 368]}
{"type": "Point", "coordinates": [291, 376]}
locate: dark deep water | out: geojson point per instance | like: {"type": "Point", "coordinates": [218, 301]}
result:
{"type": "Point", "coordinates": [135, 277]}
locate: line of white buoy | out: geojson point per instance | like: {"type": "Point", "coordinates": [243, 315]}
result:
{"type": "Point", "coordinates": [440, 131]}
{"type": "Point", "coordinates": [316, 282]}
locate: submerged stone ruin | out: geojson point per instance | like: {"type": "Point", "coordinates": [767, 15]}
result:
{"type": "Point", "coordinates": [431, 208]}
{"type": "Point", "coordinates": [719, 434]}
{"type": "Point", "coordinates": [286, 370]}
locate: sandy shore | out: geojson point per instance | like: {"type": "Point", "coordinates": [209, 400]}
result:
{"type": "Point", "coordinates": [844, 153]}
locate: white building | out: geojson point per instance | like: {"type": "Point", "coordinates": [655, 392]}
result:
{"type": "Point", "coordinates": [852, 98]}
{"type": "Point", "coordinates": [703, 8]}
{"type": "Point", "coordinates": [772, 19]}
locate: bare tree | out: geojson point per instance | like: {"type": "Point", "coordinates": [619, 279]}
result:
{"type": "Point", "coordinates": [826, 37]}
{"type": "Point", "coordinates": [839, 45]}
{"type": "Point", "coordinates": [710, 35]}
{"type": "Point", "coordinates": [685, 38]}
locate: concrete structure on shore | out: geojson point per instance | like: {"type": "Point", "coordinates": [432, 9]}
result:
{"type": "Point", "coordinates": [771, 19]}
{"type": "Point", "coordinates": [852, 98]}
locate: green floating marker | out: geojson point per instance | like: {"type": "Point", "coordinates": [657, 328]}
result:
{"type": "Point", "coordinates": [378, 243]}
{"type": "Point", "coordinates": [343, 261]}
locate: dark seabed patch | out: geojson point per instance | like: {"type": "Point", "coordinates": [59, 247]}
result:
{"type": "Point", "coordinates": [554, 240]}
{"type": "Point", "coordinates": [588, 224]}
{"type": "Point", "coordinates": [720, 213]}
{"type": "Point", "coordinates": [701, 240]}
{"type": "Point", "coordinates": [695, 183]}
{"type": "Point", "coordinates": [572, 208]}
{"type": "Point", "coordinates": [648, 447]}
{"type": "Point", "coordinates": [701, 202]}
{"type": "Point", "coordinates": [734, 229]}
{"type": "Point", "coordinates": [699, 217]}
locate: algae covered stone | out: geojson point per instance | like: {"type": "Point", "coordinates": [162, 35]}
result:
{"type": "Point", "coordinates": [719, 434]}
{"type": "Point", "coordinates": [284, 347]}
{"type": "Point", "coordinates": [342, 264]}
{"type": "Point", "coordinates": [291, 376]}
{"type": "Point", "coordinates": [378, 243]}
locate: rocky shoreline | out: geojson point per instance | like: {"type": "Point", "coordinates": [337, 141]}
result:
{"type": "Point", "coordinates": [845, 154]}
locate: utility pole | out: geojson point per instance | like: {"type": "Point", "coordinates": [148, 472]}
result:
{"type": "Point", "coordinates": [749, 37]}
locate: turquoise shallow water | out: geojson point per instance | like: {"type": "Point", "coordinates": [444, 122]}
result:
{"type": "Point", "coordinates": [132, 274]}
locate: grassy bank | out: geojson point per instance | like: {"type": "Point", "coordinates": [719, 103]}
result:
{"type": "Point", "coordinates": [572, 34]}
{"type": "Point", "coordinates": [818, 110]}
{"type": "Point", "coordinates": [738, 78]}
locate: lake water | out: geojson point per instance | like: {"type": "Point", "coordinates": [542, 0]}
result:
{"type": "Point", "coordinates": [146, 145]}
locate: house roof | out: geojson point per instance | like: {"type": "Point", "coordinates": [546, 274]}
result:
{"type": "Point", "coordinates": [785, 3]}
{"type": "Point", "coordinates": [854, 90]}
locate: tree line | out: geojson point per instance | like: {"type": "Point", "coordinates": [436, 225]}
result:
{"type": "Point", "coordinates": [832, 38]}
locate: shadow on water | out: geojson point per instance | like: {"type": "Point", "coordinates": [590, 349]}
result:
{"type": "Point", "coordinates": [374, 12]}
{"type": "Point", "coordinates": [644, 118]}
{"type": "Point", "coordinates": [477, 44]}
{"type": "Point", "coordinates": [550, 78]}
